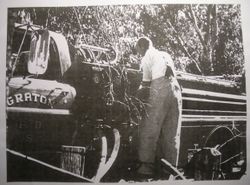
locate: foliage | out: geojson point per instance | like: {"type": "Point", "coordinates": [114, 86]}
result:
{"type": "Point", "coordinates": [202, 39]}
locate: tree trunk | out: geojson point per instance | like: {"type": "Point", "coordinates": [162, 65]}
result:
{"type": "Point", "coordinates": [208, 38]}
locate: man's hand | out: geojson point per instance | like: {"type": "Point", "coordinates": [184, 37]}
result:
{"type": "Point", "coordinates": [143, 91]}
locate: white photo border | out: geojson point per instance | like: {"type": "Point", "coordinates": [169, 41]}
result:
{"type": "Point", "coordinates": [5, 4]}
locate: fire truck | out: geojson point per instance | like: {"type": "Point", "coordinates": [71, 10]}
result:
{"type": "Point", "coordinates": [73, 116]}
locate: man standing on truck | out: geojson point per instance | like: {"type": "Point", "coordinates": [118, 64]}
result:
{"type": "Point", "coordinates": [160, 130]}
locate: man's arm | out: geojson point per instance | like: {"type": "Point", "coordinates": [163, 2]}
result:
{"type": "Point", "coordinates": [170, 65]}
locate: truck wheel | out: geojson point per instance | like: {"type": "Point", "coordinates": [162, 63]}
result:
{"type": "Point", "coordinates": [228, 142]}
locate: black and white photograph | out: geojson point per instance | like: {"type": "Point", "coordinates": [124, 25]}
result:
{"type": "Point", "coordinates": [125, 93]}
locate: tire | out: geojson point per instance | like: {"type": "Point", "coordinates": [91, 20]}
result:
{"type": "Point", "coordinates": [231, 146]}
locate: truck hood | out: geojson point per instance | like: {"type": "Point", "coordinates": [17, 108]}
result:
{"type": "Point", "coordinates": [38, 93]}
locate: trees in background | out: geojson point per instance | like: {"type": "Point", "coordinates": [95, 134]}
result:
{"type": "Point", "coordinates": [202, 39]}
{"type": "Point", "coordinates": [205, 39]}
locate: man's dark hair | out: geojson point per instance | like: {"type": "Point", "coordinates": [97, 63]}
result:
{"type": "Point", "coordinates": [143, 42]}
